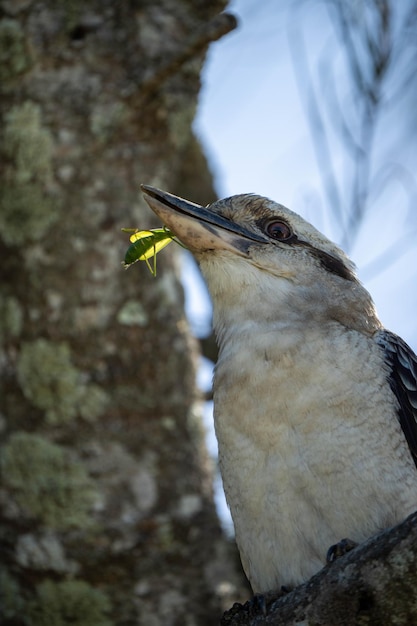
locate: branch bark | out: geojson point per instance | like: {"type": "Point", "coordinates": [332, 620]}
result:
{"type": "Point", "coordinates": [373, 584]}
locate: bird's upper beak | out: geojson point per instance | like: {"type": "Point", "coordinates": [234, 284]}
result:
{"type": "Point", "coordinates": [199, 228]}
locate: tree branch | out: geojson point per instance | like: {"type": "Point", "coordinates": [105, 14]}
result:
{"type": "Point", "coordinates": [219, 26]}
{"type": "Point", "coordinates": [373, 584]}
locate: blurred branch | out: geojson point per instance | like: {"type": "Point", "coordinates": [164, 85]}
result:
{"type": "Point", "coordinates": [389, 174]}
{"type": "Point", "coordinates": [317, 126]}
{"type": "Point", "coordinates": [375, 48]}
{"type": "Point", "coordinates": [339, 120]}
{"type": "Point", "coordinates": [372, 40]}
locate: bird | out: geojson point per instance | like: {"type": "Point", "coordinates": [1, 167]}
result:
{"type": "Point", "coordinates": [315, 402]}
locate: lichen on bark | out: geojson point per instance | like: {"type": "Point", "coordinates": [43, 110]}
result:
{"type": "Point", "coordinates": [47, 485]}
{"type": "Point", "coordinates": [27, 144]}
{"type": "Point", "coordinates": [11, 316]}
{"type": "Point", "coordinates": [72, 602]}
{"type": "Point", "coordinates": [14, 55]}
{"type": "Point", "coordinates": [51, 382]}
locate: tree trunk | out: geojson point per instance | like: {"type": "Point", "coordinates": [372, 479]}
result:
{"type": "Point", "coordinates": [107, 510]}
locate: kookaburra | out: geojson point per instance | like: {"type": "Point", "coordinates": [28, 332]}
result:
{"type": "Point", "coordinates": [315, 403]}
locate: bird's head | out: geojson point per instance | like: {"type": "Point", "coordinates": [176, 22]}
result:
{"type": "Point", "coordinates": [259, 255]}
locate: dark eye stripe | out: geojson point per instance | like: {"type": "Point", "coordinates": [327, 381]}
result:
{"type": "Point", "coordinates": [279, 230]}
{"type": "Point", "coordinates": [329, 262]}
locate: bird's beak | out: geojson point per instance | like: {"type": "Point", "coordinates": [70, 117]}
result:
{"type": "Point", "coordinates": [197, 227]}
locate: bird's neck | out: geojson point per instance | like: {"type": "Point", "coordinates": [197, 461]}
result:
{"type": "Point", "coordinates": [288, 313]}
{"type": "Point", "coordinates": [246, 300]}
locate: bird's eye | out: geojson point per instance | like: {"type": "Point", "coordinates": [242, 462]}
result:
{"type": "Point", "coordinates": [278, 229]}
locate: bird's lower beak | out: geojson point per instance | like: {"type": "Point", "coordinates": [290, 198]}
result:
{"type": "Point", "coordinates": [197, 227]}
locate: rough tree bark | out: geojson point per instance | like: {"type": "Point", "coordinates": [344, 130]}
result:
{"type": "Point", "coordinates": [106, 502]}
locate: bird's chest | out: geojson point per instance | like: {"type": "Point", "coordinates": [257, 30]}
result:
{"type": "Point", "coordinates": [270, 397]}
{"type": "Point", "coordinates": [274, 396]}
{"type": "Point", "coordinates": [299, 430]}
